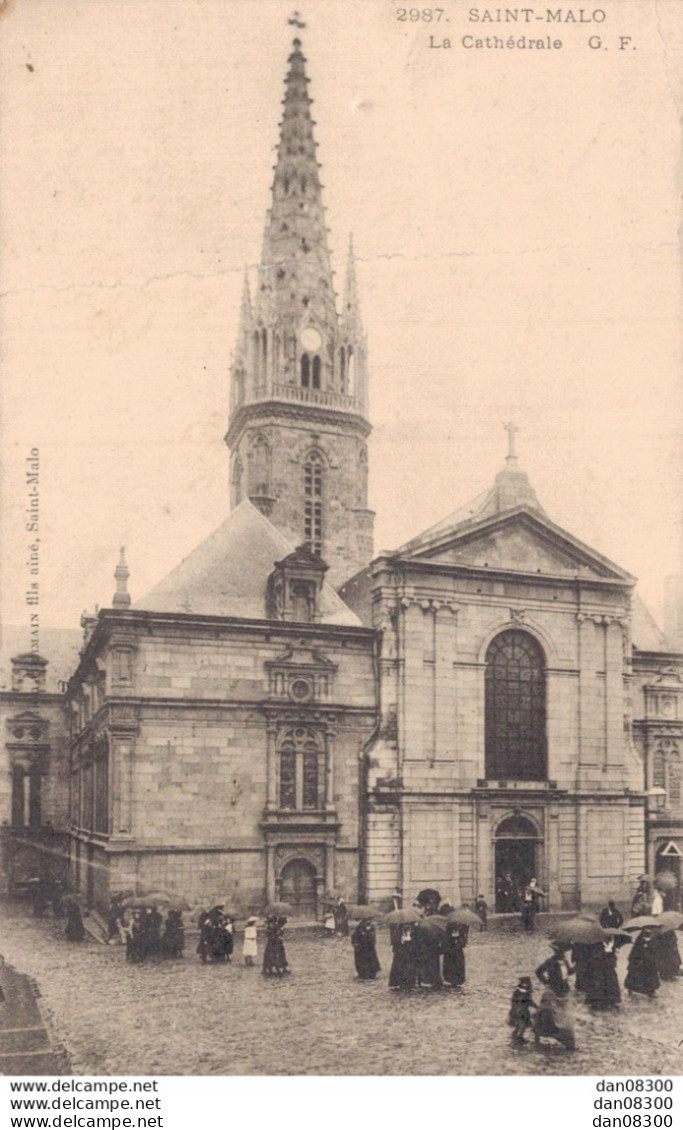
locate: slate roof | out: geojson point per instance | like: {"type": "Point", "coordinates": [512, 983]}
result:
{"type": "Point", "coordinates": [60, 646]}
{"type": "Point", "coordinates": [226, 574]}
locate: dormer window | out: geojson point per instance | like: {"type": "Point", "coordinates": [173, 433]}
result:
{"type": "Point", "coordinates": [295, 586]}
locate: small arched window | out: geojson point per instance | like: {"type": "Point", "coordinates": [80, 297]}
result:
{"type": "Point", "coordinates": [515, 708]}
{"type": "Point", "coordinates": [316, 372]}
{"type": "Point", "coordinates": [342, 368]}
{"type": "Point", "coordinates": [237, 481]}
{"type": "Point", "coordinates": [313, 502]}
{"type": "Point", "coordinates": [351, 371]}
{"type": "Point", "coordinates": [305, 371]}
{"type": "Point", "coordinates": [259, 467]}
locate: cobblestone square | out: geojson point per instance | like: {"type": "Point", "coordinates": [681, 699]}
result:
{"type": "Point", "coordinates": [183, 1018]}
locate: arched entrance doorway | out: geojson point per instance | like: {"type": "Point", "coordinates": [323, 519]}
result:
{"type": "Point", "coordinates": [297, 887]}
{"type": "Point", "coordinates": [517, 852]}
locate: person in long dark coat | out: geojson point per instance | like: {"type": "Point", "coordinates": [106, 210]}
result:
{"type": "Point", "coordinates": [403, 967]}
{"type": "Point", "coordinates": [666, 955]}
{"type": "Point", "coordinates": [454, 956]}
{"type": "Point", "coordinates": [173, 938]}
{"type": "Point", "coordinates": [274, 956]}
{"type": "Point", "coordinates": [428, 950]}
{"type": "Point", "coordinates": [603, 991]}
{"type": "Point", "coordinates": [642, 976]}
{"type": "Point", "coordinates": [581, 957]}
{"type": "Point", "coordinates": [364, 942]}
{"type": "Point", "coordinates": [74, 930]}
{"type": "Point", "coordinates": [611, 917]}
{"type": "Point", "coordinates": [341, 918]}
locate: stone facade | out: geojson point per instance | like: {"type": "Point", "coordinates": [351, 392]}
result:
{"type": "Point", "coordinates": [177, 757]}
{"type": "Point", "coordinates": [439, 815]}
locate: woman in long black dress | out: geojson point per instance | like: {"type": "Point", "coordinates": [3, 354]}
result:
{"type": "Point", "coordinates": [666, 955]}
{"type": "Point", "coordinates": [454, 956]}
{"type": "Point", "coordinates": [364, 942]}
{"type": "Point", "coordinates": [603, 986]}
{"type": "Point", "coordinates": [403, 968]}
{"type": "Point", "coordinates": [642, 974]}
{"type": "Point", "coordinates": [74, 930]}
{"type": "Point", "coordinates": [554, 1017]}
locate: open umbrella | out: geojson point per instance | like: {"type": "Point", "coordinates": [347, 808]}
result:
{"type": "Point", "coordinates": [405, 917]}
{"type": "Point", "coordinates": [618, 934]}
{"type": "Point", "coordinates": [645, 878]}
{"type": "Point", "coordinates": [463, 916]}
{"type": "Point", "coordinates": [586, 916]}
{"type": "Point", "coordinates": [281, 909]}
{"type": "Point", "coordinates": [578, 931]}
{"type": "Point", "coordinates": [433, 924]}
{"type": "Point", "coordinates": [669, 920]}
{"type": "Point", "coordinates": [641, 922]}
{"type": "Point", "coordinates": [362, 912]}
{"type": "Point", "coordinates": [666, 881]}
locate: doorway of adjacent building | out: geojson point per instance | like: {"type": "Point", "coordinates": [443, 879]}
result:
{"type": "Point", "coordinates": [516, 856]}
{"type": "Point", "coordinates": [298, 887]}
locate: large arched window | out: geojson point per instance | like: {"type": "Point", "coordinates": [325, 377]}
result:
{"type": "Point", "coordinates": [313, 502]}
{"type": "Point", "coordinates": [515, 708]}
{"type": "Point", "coordinates": [301, 754]}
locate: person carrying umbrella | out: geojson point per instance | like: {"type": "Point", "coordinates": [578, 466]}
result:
{"type": "Point", "coordinates": [74, 930]}
{"type": "Point", "coordinates": [642, 899]}
{"type": "Point", "coordinates": [173, 938]}
{"type": "Point", "coordinates": [364, 942]}
{"type": "Point", "coordinates": [642, 976]}
{"type": "Point", "coordinates": [667, 955]}
{"type": "Point", "coordinates": [602, 989]}
{"type": "Point", "coordinates": [554, 1018]}
{"type": "Point", "coordinates": [402, 974]}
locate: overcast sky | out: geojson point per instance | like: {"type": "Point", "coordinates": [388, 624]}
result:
{"type": "Point", "coordinates": [515, 217]}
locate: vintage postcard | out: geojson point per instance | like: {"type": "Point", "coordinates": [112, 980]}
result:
{"type": "Point", "coordinates": [341, 666]}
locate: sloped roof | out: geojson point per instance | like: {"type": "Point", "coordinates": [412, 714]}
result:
{"type": "Point", "coordinates": [59, 646]}
{"type": "Point", "coordinates": [645, 632]}
{"type": "Point", "coordinates": [226, 574]}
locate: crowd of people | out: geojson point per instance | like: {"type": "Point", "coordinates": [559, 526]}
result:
{"type": "Point", "coordinates": [653, 957]}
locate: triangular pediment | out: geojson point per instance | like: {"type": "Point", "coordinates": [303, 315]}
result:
{"type": "Point", "coordinates": [520, 541]}
{"type": "Point", "coordinates": [301, 655]}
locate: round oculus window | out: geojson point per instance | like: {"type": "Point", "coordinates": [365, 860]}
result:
{"type": "Point", "coordinates": [301, 690]}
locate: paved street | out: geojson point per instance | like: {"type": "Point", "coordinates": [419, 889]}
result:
{"type": "Point", "coordinates": [183, 1018]}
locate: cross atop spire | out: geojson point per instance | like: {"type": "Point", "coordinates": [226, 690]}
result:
{"type": "Point", "coordinates": [296, 20]}
{"type": "Point", "coordinates": [511, 430]}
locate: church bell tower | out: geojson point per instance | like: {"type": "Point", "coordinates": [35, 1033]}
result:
{"type": "Point", "coordinates": [298, 394]}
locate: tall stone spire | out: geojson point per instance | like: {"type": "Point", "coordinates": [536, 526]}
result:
{"type": "Point", "coordinates": [298, 403]}
{"type": "Point", "coordinates": [296, 272]}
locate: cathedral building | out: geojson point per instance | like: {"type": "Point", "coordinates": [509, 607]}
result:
{"type": "Point", "coordinates": [284, 714]}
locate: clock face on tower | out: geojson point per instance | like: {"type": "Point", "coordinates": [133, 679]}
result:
{"type": "Point", "coordinates": [310, 339]}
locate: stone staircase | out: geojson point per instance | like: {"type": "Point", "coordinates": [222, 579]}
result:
{"type": "Point", "coordinates": [26, 1045]}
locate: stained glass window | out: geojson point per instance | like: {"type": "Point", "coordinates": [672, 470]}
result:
{"type": "Point", "coordinates": [515, 708]}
